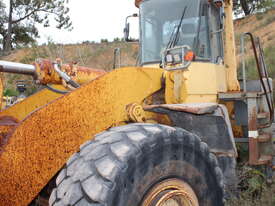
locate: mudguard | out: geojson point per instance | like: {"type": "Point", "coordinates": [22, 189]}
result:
{"type": "Point", "coordinates": [211, 123]}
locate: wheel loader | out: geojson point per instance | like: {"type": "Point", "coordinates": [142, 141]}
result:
{"type": "Point", "coordinates": [160, 133]}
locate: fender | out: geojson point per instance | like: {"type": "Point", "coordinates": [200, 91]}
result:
{"type": "Point", "coordinates": [209, 121]}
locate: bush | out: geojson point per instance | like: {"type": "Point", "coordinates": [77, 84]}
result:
{"type": "Point", "coordinates": [266, 22]}
{"type": "Point", "coordinates": [260, 16]}
{"type": "Point", "coordinates": [117, 39]}
{"type": "Point", "coordinates": [10, 92]}
{"type": "Point", "coordinates": [104, 40]}
{"type": "Point", "coordinates": [251, 69]}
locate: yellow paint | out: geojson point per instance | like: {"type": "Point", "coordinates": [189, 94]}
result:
{"type": "Point", "coordinates": [53, 126]}
{"type": "Point", "coordinates": [1, 90]}
{"type": "Point", "coordinates": [230, 64]}
{"type": "Point", "coordinates": [201, 82]}
{"type": "Point", "coordinates": [229, 49]}
{"type": "Point", "coordinates": [30, 104]}
{"type": "Point", "coordinates": [83, 78]}
{"type": "Point", "coordinates": [43, 142]}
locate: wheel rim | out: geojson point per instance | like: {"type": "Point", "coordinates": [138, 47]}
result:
{"type": "Point", "coordinates": [171, 192]}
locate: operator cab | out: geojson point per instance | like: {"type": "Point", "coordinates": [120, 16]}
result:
{"type": "Point", "coordinates": [187, 25]}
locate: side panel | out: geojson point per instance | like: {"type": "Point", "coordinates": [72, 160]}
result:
{"type": "Point", "coordinates": [213, 127]}
{"type": "Point", "coordinates": [1, 90]}
{"type": "Point", "coordinates": [200, 82]}
{"type": "Point", "coordinates": [43, 142]}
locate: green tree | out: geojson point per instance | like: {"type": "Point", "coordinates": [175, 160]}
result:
{"type": "Point", "coordinates": [251, 6]}
{"type": "Point", "coordinates": [19, 23]}
{"type": "Point", "coordinates": [3, 19]}
{"type": "Point", "coordinates": [104, 40]}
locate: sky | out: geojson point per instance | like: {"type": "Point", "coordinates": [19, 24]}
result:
{"type": "Point", "coordinates": [94, 20]}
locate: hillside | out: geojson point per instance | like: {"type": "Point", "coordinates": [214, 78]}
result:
{"type": "Point", "coordinates": [101, 55]}
{"type": "Point", "coordinates": [252, 184]}
{"type": "Point", "coordinates": [93, 55]}
{"type": "Point", "coordinates": [261, 25]}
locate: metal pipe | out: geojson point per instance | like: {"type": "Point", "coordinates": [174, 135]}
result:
{"type": "Point", "coordinates": [243, 62]}
{"type": "Point", "coordinates": [17, 68]}
{"type": "Point", "coordinates": [269, 103]}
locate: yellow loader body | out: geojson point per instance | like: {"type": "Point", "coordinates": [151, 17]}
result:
{"type": "Point", "coordinates": [40, 133]}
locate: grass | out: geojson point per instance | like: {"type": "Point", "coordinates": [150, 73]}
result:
{"type": "Point", "coordinates": [238, 38]}
{"type": "Point", "coordinates": [10, 92]}
{"type": "Point", "coordinates": [263, 196]}
{"type": "Point", "coordinates": [269, 55]}
{"type": "Point", "coordinates": [260, 16]}
{"type": "Point", "coordinates": [265, 22]}
{"type": "Point", "coordinates": [253, 188]}
{"type": "Point", "coordinates": [94, 55]}
{"type": "Point", "coordinates": [269, 20]}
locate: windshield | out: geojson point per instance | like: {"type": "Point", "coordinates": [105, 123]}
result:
{"type": "Point", "coordinates": [159, 20]}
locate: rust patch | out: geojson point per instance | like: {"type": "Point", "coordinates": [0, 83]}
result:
{"type": "Point", "coordinates": [47, 74]}
{"type": "Point", "coordinates": [8, 120]}
{"type": "Point", "coordinates": [253, 142]}
{"type": "Point", "coordinates": [252, 121]}
{"type": "Point", "coordinates": [7, 124]}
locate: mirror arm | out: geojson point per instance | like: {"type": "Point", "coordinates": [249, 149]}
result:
{"type": "Point", "coordinates": [127, 27]}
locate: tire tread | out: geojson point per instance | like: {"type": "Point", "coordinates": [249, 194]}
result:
{"type": "Point", "coordinates": [87, 168]}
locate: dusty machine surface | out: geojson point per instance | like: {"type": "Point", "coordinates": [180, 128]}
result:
{"type": "Point", "coordinates": [160, 134]}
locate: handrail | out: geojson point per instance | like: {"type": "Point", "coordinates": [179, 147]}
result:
{"type": "Point", "coordinates": [260, 68]}
{"type": "Point", "coordinates": [117, 58]}
{"type": "Point", "coordinates": [243, 62]}
{"type": "Point", "coordinates": [267, 77]}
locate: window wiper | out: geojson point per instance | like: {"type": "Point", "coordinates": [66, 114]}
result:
{"type": "Point", "coordinates": [196, 39]}
{"type": "Point", "coordinates": [175, 35]}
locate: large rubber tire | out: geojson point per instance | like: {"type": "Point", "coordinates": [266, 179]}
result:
{"type": "Point", "coordinates": [120, 166]}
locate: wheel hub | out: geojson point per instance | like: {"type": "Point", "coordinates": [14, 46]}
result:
{"type": "Point", "coordinates": [171, 192]}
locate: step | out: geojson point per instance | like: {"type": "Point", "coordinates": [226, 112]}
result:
{"type": "Point", "coordinates": [265, 137]}
{"type": "Point", "coordinates": [231, 96]}
{"type": "Point", "coordinates": [262, 138]}
{"type": "Point", "coordinates": [263, 115]}
{"type": "Point", "coordinates": [264, 159]}
{"type": "Point", "coordinates": [241, 140]}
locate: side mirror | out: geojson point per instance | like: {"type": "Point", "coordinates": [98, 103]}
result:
{"type": "Point", "coordinates": [220, 5]}
{"type": "Point", "coordinates": [126, 30]}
